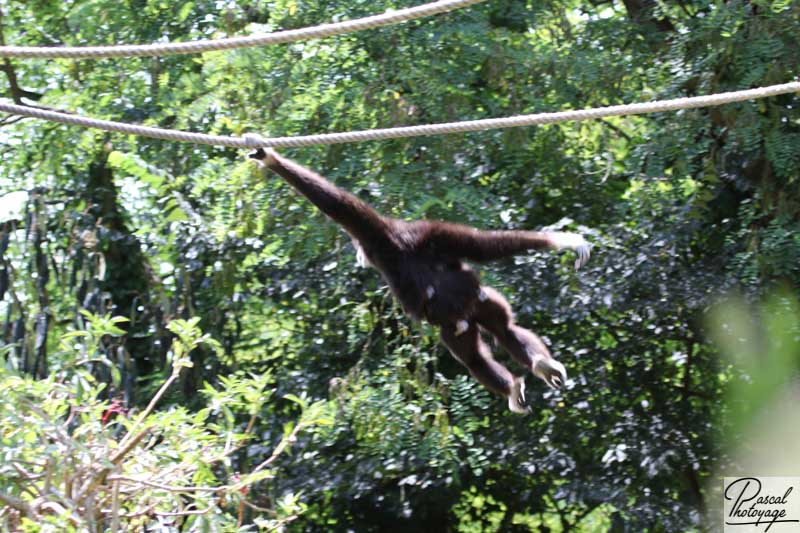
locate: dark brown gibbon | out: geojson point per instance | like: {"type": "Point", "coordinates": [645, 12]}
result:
{"type": "Point", "coordinates": [423, 263]}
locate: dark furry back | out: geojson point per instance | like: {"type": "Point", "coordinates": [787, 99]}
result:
{"type": "Point", "coordinates": [455, 287]}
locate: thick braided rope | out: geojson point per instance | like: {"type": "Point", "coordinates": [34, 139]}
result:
{"type": "Point", "coordinates": [260, 39]}
{"type": "Point", "coordinates": [254, 141]}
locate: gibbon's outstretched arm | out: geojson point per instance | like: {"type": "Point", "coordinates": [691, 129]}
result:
{"type": "Point", "coordinates": [355, 216]}
{"type": "Point", "coordinates": [477, 245]}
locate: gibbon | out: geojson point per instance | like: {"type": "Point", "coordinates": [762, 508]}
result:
{"type": "Point", "coordinates": [423, 263]}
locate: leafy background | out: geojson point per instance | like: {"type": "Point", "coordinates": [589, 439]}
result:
{"type": "Point", "coordinates": [681, 207]}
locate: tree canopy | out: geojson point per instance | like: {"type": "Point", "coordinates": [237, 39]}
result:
{"type": "Point", "coordinates": [134, 270]}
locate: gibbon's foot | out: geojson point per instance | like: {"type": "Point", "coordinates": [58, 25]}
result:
{"type": "Point", "coordinates": [550, 371]}
{"type": "Point", "coordinates": [516, 400]}
{"type": "Point", "coordinates": [361, 257]}
{"type": "Point", "coordinates": [572, 241]}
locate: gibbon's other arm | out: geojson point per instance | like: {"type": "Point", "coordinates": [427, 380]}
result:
{"type": "Point", "coordinates": [355, 216]}
{"type": "Point", "coordinates": [469, 243]}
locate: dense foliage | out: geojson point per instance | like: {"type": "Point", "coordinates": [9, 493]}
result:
{"type": "Point", "coordinates": [306, 353]}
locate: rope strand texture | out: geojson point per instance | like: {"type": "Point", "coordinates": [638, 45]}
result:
{"type": "Point", "coordinates": [254, 141]}
{"type": "Point", "coordinates": [260, 39]}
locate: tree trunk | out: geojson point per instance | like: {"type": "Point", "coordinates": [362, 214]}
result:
{"type": "Point", "coordinates": [121, 280]}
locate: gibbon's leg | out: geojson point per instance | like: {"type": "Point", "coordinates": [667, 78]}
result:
{"type": "Point", "coordinates": [494, 314]}
{"type": "Point", "coordinates": [466, 242]}
{"type": "Point", "coordinates": [470, 350]}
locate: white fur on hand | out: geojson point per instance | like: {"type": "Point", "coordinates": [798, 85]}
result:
{"type": "Point", "coordinates": [550, 371]}
{"type": "Point", "coordinates": [516, 400]}
{"type": "Point", "coordinates": [564, 240]}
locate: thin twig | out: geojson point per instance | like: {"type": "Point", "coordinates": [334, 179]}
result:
{"type": "Point", "coordinates": [186, 513]}
{"type": "Point", "coordinates": [115, 508]}
{"type": "Point", "coordinates": [17, 504]}
{"type": "Point", "coordinates": [279, 448]}
{"type": "Point", "coordinates": [149, 409]}
{"type": "Point", "coordinates": [11, 120]}
{"type": "Point", "coordinates": [280, 523]}
{"type": "Point", "coordinates": [123, 451]}
{"type": "Point", "coordinates": [169, 488]}
{"type": "Point", "coordinates": [250, 424]}
{"type": "Point", "coordinates": [27, 476]}
{"type": "Point", "coordinates": [146, 511]}
{"type": "Point", "coordinates": [100, 478]}
{"type": "Point", "coordinates": [255, 507]}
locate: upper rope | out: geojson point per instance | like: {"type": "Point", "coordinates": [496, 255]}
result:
{"type": "Point", "coordinates": [259, 39]}
{"type": "Point", "coordinates": [254, 141]}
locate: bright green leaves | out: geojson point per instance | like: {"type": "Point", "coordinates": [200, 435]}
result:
{"type": "Point", "coordinates": [63, 443]}
{"type": "Point", "coordinates": [189, 337]}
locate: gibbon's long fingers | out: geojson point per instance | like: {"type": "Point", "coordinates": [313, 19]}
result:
{"type": "Point", "coordinates": [583, 252]}
{"type": "Point", "coordinates": [257, 154]}
{"type": "Point", "coordinates": [561, 240]}
{"type": "Point", "coordinates": [264, 156]}
{"type": "Point", "coordinates": [550, 371]}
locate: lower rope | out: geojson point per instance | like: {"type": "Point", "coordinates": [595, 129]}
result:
{"type": "Point", "coordinates": [254, 141]}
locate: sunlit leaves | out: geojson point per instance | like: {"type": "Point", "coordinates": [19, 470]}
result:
{"type": "Point", "coordinates": [60, 442]}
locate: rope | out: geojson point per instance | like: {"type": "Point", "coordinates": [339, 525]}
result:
{"type": "Point", "coordinates": [254, 141]}
{"type": "Point", "coordinates": [259, 39]}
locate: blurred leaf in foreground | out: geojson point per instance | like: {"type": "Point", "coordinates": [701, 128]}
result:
{"type": "Point", "coordinates": [761, 423]}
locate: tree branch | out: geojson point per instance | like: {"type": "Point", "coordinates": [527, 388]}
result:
{"type": "Point", "coordinates": [17, 504]}
{"type": "Point", "coordinates": [279, 449]}
{"type": "Point", "coordinates": [17, 93]}
{"type": "Point", "coordinates": [168, 488]}
{"type": "Point", "coordinates": [616, 129]}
